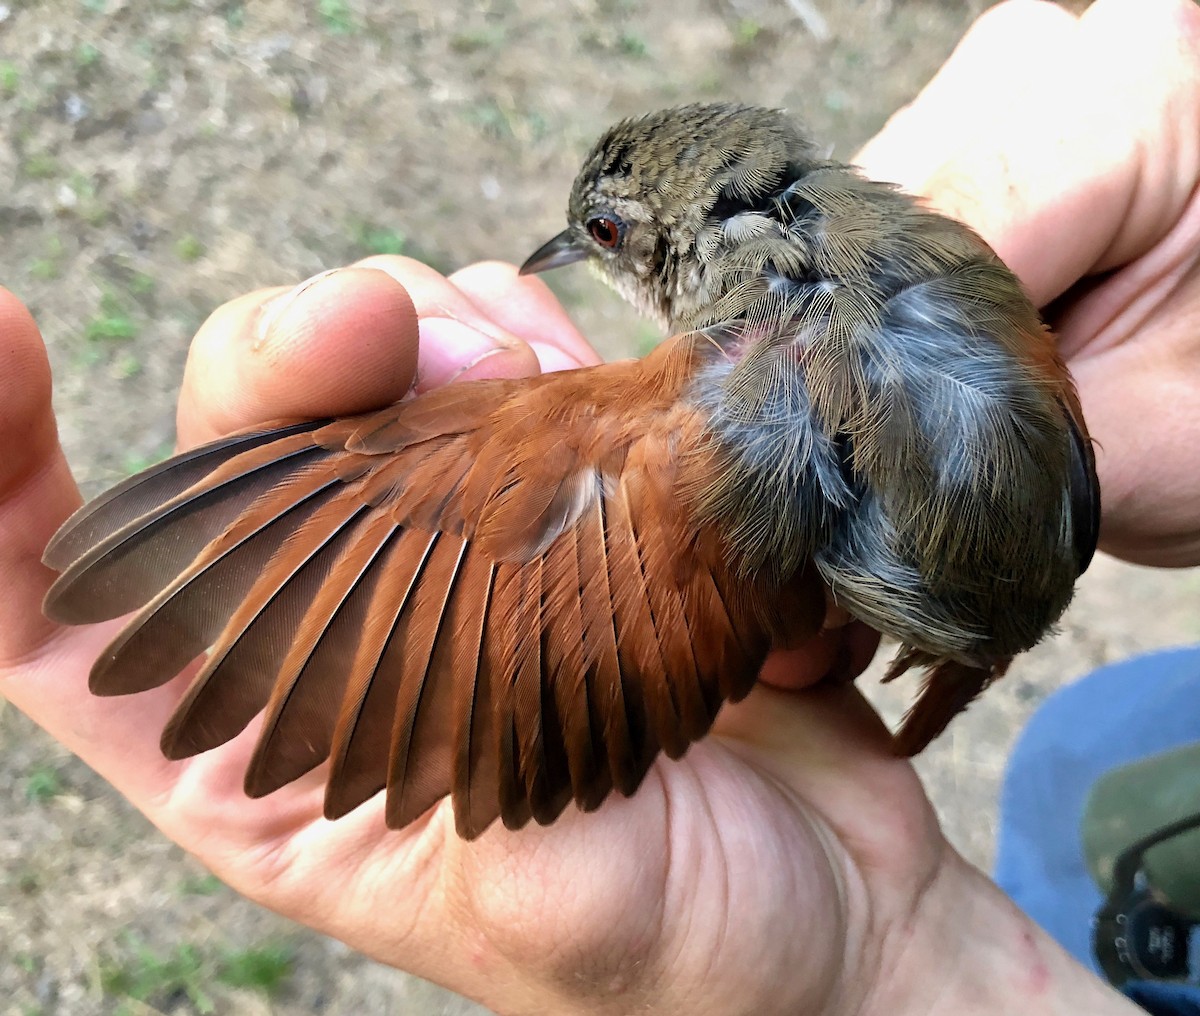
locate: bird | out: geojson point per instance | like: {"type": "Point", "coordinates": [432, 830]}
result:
{"type": "Point", "coordinates": [518, 593]}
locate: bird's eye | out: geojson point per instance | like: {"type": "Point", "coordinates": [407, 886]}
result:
{"type": "Point", "coordinates": [606, 232]}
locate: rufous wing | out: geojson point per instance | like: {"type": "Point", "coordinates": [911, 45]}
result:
{"type": "Point", "coordinates": [490, 591]}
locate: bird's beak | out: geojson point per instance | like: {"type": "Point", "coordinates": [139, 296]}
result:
{"type": "Point", "coordinates": [564, 249]}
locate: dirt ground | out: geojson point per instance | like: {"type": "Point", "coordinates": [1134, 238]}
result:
{"type": "Point", "coordinates": [161, 157]}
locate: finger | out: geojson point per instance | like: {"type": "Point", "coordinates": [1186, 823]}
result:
{"type": "Point", "coordinates": [36, 489]}
{"type": "Point", "coordinates": [1074, 167]}
{"type": "Point", "coordinates": [992, 168]}
{"type": "Point", "coordinates": [339, 343]}
{"type": "Point", "coordinates": [459, 341]}
{"type": "Point", "coordinates": [1137, 464]}
{"type": "Point", "coordinates": [837, 655]}
{"type": "Point", "coordinates": [524, 305]}
{"type": "Point", "coordinates": [956, 109]}
{"type": "Point", "coordinates": [1141, 59]}
{"type": "Point", "coordinates": [43, 668]}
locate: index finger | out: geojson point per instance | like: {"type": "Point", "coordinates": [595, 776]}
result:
{"type": "Point", "coordinates": [525, 305]}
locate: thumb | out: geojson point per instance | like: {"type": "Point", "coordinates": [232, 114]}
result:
{"type": "Point", "coordinates": [339, 343]}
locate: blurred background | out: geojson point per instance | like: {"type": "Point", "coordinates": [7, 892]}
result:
{"type": "Point", "coordinates": [161, 157]}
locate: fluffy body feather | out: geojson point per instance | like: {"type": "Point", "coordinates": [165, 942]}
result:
{"type": "Point", "coordinates": [519, 592]}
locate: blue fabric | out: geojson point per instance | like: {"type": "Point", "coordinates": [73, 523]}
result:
{"type": "Point", "coordinates": [1165, 999]}
{"type": "Point", "coordinates": [1113, 716]}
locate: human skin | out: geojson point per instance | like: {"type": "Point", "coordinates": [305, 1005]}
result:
{"type": "Point", "coordinates": [788, 863]}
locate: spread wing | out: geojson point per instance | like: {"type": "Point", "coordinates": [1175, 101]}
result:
{"type": "Point", "coordinates": [489, 591]}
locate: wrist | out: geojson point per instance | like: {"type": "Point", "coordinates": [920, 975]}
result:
{"type": "Point", "coordinates": [968, 948]}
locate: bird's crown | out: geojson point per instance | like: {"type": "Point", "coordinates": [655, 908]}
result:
{"type": "Point", "coordinates": [689, 159]}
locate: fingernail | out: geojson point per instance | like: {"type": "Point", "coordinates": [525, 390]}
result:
{"type": "Point", "coordinates": [551, 358]}
{"type": "Point", "coordinates": [271, 311]}
{"type": "Point", "coordinates": [449, 349]}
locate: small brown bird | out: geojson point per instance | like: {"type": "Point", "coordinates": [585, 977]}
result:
{"type": "Point", "coordinates": [518, 592]}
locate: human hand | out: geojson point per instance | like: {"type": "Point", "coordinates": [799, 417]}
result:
{"type": "Point", "coordinates": [700, 894]}
{"type": "Point", "coordinates": [1071, 145]}
{"type": "Point", "coordinates": [631, 903]}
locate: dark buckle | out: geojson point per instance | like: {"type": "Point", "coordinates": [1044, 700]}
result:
{"type": "Point", "coordinates": [1136, 933]}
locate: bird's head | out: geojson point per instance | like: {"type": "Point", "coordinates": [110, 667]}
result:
{"type": "Point", "coordinates": [647, 207]}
